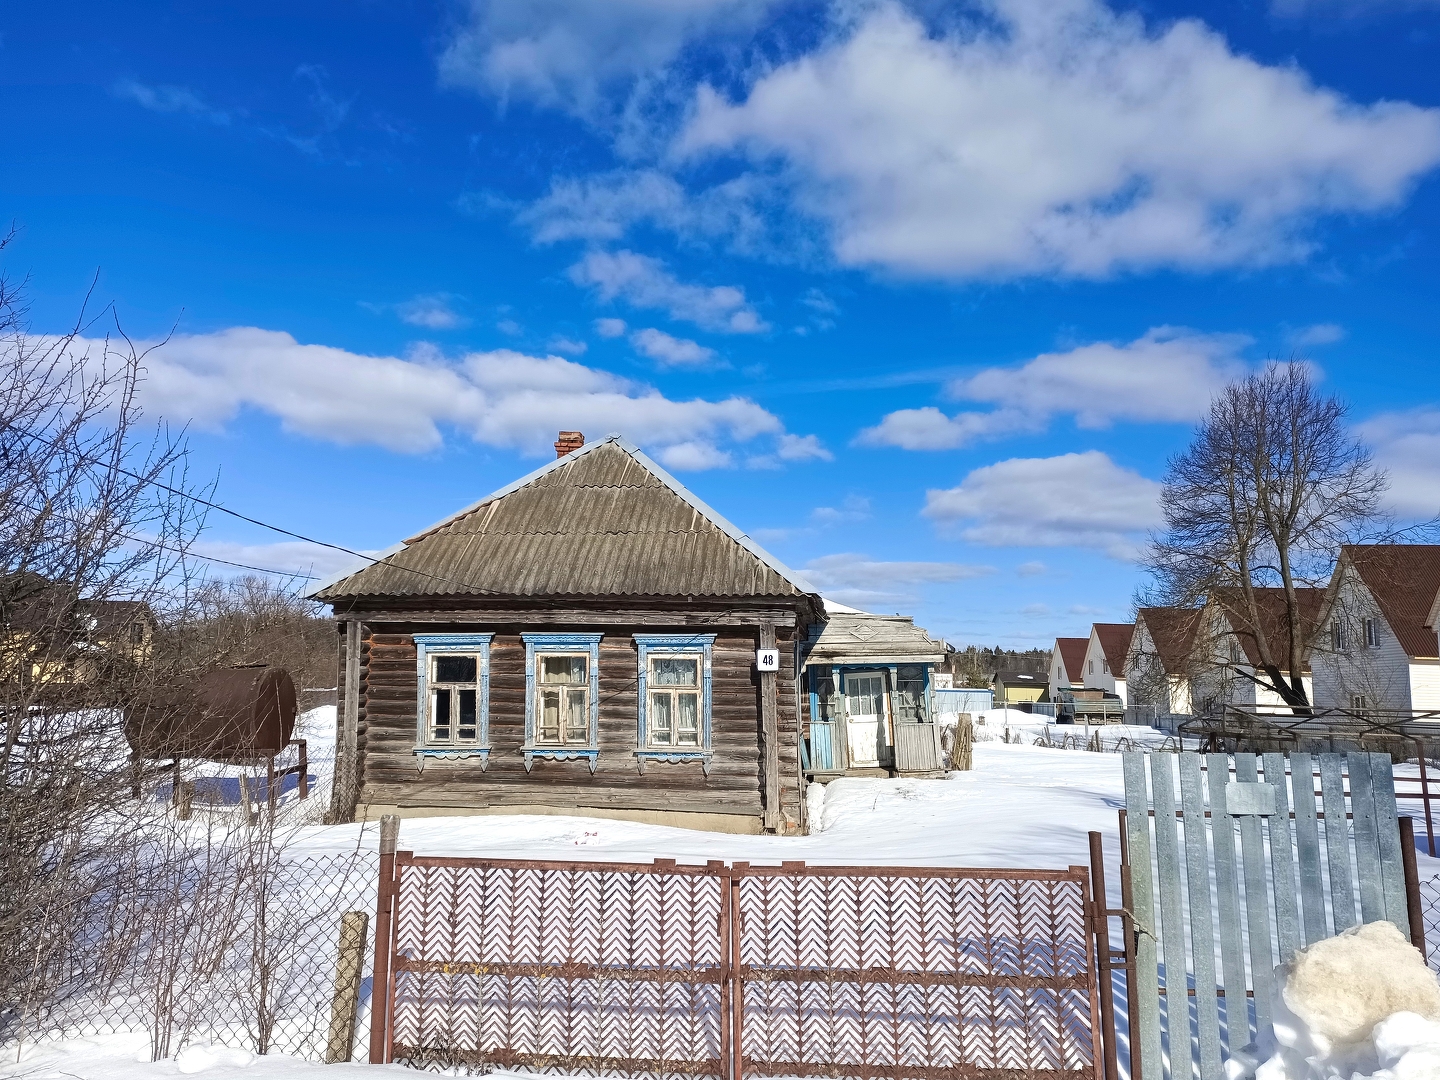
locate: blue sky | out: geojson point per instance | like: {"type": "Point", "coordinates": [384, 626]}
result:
{"type": "Point", "coordinates": [922, 295]}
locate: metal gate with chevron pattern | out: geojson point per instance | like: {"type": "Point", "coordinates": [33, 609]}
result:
{"type": "Point", "coordinates": [734, 971]}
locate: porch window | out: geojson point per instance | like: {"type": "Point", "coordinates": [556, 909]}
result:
{"type": "Point", "coordinates": [562, 697]}
{"type": "Point", "coordinates": [674, 713]}
{"type": "Point", "coordinates": [453, 699]}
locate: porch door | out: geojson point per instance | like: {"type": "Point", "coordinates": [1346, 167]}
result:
{"type": "Point", "coordinates": [865, 718]}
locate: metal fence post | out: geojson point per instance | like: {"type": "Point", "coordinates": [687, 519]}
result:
{"type": "Point", "coordinates": [384, 910]}
{"type": "Point", "coordinates": [1412, 884]}
{"type": "Point", "coordinates": [1104, 955]}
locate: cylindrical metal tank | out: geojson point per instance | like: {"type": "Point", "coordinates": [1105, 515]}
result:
{"type": "Point", "coordinates": [232, 714]}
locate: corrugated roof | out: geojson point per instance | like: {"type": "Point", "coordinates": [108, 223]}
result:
{"type": "Point", "coordinates": [1405, 581]}
{"type": "Point", "coordinates": [604, 520]}
{"type": "Point", "coordinates": [860, 637]}
{"type": "Point", "coordinates": [1072, 655]}
{"type": "Point", "coordinates": [1270, 602]}
{"type": "Point", "coordinates": [1172, 631]}
{"type": "Point", "coordinates": [1114, 643]}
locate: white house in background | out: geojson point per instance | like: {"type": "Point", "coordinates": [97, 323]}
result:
{"type": "Point", "coordinates": [1378, 648]}
{"type": "Point", "coordinates": [1228, 656]}
{"type": "Point", "coordinates": [1160, 661]}
{"type": "Point", "coordinates": [1105, 654]}
{"type": "Point", "coordinates": [1067, 664]}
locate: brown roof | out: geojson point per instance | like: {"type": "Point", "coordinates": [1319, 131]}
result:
{"type": "Point", "coordinates": [1072, 655]}
{"type": "Point", "coordinates": [1404, 579]}
{"type": "Point", "coordinates": [1115, 643]}
{"type": "Point", "coordinates": [1172, 630]}
{"type": "Point", "coordinates": [604, 520]}
{"type": "Point", "coordinates": [1273, 623]}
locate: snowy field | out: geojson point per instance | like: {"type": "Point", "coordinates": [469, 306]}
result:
{"type": "Point", "coordinates": [1021, 806]}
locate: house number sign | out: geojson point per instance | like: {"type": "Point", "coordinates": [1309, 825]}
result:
{"type": "Point", "coordinates": [767, 659]}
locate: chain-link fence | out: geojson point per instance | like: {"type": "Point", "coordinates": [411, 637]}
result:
{"type": "Point", "coordinates": [1430, 915]}
{"type": "Point", "coordinates": [231, 947]}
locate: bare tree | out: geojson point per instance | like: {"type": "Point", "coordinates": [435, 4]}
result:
{"type": "Point", "coordinates": [95, 522]}
{"type": "Point", "coordinates": [1269, 489]}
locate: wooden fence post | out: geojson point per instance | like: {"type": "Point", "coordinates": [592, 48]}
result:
{"type": "Point", "coordinates": [962, 753]}
{"type": "Point", "coordinates": [384, 909]}
{"type": "Point", "coordinates": [346, 1001]}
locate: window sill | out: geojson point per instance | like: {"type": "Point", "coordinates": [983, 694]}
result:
{"type": "Point", "coordinates": [454, 753]}
{"type": "Point", "coordinates": [675, 757]}
{"type": "Point", "coordinates": [561, 753]}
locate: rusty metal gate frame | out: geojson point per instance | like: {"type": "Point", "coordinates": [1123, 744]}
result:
{"type": "Point", "coordinates": [1020, 953]}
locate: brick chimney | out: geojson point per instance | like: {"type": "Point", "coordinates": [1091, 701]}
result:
{"type": "Point", "coordinates": [568, 442]}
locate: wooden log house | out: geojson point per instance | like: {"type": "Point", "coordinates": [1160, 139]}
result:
{"type": "Point", "coordinates": [588, 640]}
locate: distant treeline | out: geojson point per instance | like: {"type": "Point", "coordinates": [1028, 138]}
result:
{"type": "Point", "coordinates": [976, 666]}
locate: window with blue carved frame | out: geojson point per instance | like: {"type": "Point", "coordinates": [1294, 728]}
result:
{"type": "Point", "coordinates": [674, 720]}
{"type": "Point", "coordinates": [453, 695]}
{"type": "Point", "coordinates": [562, 698]}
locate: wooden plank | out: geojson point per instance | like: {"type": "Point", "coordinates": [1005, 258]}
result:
{"type": "Point", "coordinates": [1387, 834]}
{"type": "Point", "coordinates": [1282, 861]}
{"type": "Point", "coordinates": [1307, 846]}
{"type": "Point", "coordinates": [1257, 905]}
{"type": "Point", "coordinates": [770, 735]}
{"type": "Point", "coordinates": [1367, 846]}
{"type": "Point", "coordinates": [1147, 974]}
{"type": "Point", "coordinates": [1202, 931]}
{"type": "Point", "coordinates": [1227, 892]}
{"type": "Point", "coordinates": [346, 784]}
{"type": "Point", "coordinates": [1337, 842]}
{"type": "Point", "coordinates": [1172, 930]}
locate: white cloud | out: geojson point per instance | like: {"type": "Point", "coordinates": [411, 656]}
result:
{"type": "Point", "coordinates": [862, 581]}
{"type": "Point", "coordinates": [851, 509]}
{"type": "Point", "coordinates": [928, 428]}
{"type": "Point", "coordinates": [568, 346]}
{"type": "Point", "coordinates": [501, 398]}
{"type": "Point", "coordinates": [1166, 376]}
{"type": "Point", "coordinates": [1407, 446]}
{"type": "Point", "coordinates": [170, 99]}
{"type": "Point", "coordinates": [1319, 334]}
{"type": "Point", "coordinates": [671, 351]}
{"type": "Point", "coordinates": [1059, 138]}
{"type": "Point", "coordinates": [802, 448]}
{"type": "Point", "coordinates": [1074, 500]}
{"type": "Point", "coordinates": [1031, 569]}
{"type": "Point", "coordinates": [298, 557]}
{"type": "Point", "coordinates": [434, 312]}
{"type": "Point", "coordinates": [644, 282]}
{"type": "Point", "coordinates": [609, 328]}
{"type": "Point", "coordinates": [574, 54]}
{"type": "Point", "coordinates": [694, 456]}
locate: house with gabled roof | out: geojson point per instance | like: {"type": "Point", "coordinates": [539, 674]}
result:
{"type": "Point", "coordinates": [1105, 654]}
{"type": "Point", "coordinates": [1233, 643]}
{"type": "Point", "coordinates": [592, 639]}
{"type": "Point", "coordinates": [1067, 665]}
{"type": "Point", "coordinates": [1160, 661]}
{"type": "Point", "coordinates": [1377, 650]}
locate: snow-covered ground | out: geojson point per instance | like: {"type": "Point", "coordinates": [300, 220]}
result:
{"type": "Point", "coordinates": [1022, 805]}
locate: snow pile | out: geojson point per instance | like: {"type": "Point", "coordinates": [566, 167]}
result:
{"type": "Point", "coordinates": [815, 808]}
{"type": "Point", "coordinates": [126, 1056]}
{"type": "Point", "coordinates": [1358, 1006]}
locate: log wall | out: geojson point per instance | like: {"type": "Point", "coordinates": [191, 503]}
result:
{"type": "Point", "coordinates": [393, 776]}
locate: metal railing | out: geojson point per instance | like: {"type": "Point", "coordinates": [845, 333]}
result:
{"type": "Point", "coordinates": [734, 971]}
